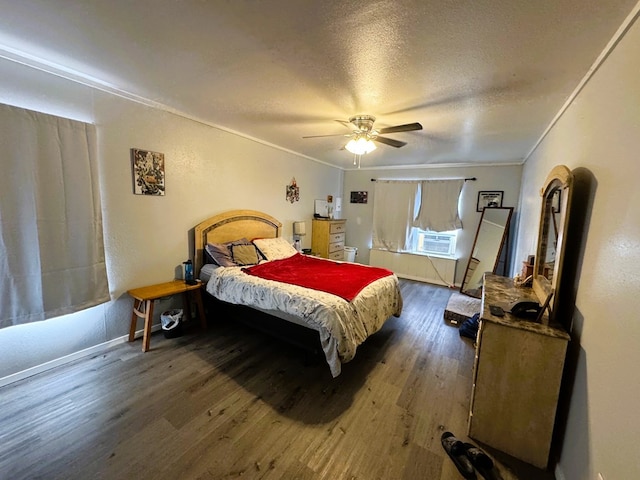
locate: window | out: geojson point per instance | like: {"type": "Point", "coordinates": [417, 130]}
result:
{"type": "Point", "coordinates": [441, 244]}
{"type": "Point", "coordinates": [404, 210]}
{"type": "Point", "coordinates": [51, 247]}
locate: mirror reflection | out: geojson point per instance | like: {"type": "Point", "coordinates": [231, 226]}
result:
{"type": "Point", "coordinates": [491, 236]}
{"type": "Point", "coordinates": [554, 215]}
{"type": "Point", "coordinates": [551, 221]}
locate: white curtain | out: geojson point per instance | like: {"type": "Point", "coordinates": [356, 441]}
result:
{"type": "Point", "coordinates": [439, 205]}
{"type": "Point", "coordinates": [393, 213]}
{"type": "Point", "coordinates": [51, 240]}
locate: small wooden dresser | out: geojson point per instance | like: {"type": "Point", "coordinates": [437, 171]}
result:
{"type": "Point", "coordinates": [327, 239]}
{"type": "Point", "coordinates": [517, 376]}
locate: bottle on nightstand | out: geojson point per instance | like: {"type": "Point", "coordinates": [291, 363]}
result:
{"type": "Point", "coordinates": [188, 273]}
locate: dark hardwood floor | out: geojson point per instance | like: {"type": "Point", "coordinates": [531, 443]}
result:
{"type": "Point", "coordinates": [232, 402]}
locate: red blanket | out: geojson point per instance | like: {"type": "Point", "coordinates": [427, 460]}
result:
{"type": "Point", "coordinates": [345, 280]}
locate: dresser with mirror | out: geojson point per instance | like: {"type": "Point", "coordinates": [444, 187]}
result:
{"type": "Point", "coordinates": [519, 361]}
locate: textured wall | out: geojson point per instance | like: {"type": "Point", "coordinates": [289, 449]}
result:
{"type": "Point", "coordinates": [598, 138]}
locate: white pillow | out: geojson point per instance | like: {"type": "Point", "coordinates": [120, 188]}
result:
{"type": "Point", "coordinates": [275, 248]}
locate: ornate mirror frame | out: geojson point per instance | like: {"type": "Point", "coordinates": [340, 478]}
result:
{"type": "Point", "coordinates": [554, 222]}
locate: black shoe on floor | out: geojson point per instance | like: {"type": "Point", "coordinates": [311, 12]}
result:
{"type": "Point", "coordinates": [480, 460]}
{"type": "Point", "coordinates": [458, 453]}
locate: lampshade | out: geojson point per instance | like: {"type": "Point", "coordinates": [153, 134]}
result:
{"type": "Point", "coordinates": [360, 145]}
{"type": "Point", "coordinates": [299, 228]}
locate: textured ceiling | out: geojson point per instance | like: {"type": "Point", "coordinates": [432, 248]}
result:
{"type": "Point", "coordinates": [484, 78]}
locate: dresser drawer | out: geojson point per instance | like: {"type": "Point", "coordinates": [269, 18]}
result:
{"type": "Point", "coordinates": [336, 247]}
{"type": "Point", "coordinates": [336, 237]}
{"type": "Point", "coordinates": [339, 255]}
{"type": "Point", "coordinates": [338, 228]}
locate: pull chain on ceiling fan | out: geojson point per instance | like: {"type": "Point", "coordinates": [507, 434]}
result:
{"type": "Point", "coordinates": [364, 135]}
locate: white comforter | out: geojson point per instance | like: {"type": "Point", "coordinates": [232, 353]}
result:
{"type": "Point", "coordinates": [342, 325]}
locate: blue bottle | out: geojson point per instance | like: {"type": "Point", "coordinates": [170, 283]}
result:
{"type": "Point", "coordinates": [188, 273]}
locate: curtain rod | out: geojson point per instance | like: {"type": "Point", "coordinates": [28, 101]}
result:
{"type": "Point", "coordinates": [470, 179]}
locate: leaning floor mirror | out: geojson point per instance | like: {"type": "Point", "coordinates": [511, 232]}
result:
{"type": "Point", "coordinates": [490, 240]}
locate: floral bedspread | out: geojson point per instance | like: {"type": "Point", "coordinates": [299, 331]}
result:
{"type": "Point", "coordinates": [342, 325]}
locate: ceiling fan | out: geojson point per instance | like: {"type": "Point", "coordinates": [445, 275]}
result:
{"type": "Point", "coordinates": [363, 134]}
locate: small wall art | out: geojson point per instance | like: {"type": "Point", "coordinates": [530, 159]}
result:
{"type": "Point", "coordinates": [293, 191]}
{"type": "Point", "coordinates": [359, 197]}
{"type": "Point", "coordinates": [148, 172]}
{"type": "Point", "coordinates": [489, 199]}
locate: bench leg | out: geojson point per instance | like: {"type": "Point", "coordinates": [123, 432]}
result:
{"type": "Point", "coordinates": [148, 318]}
{"type": "Point", "coordinates": [134, 319]}
{"type": "Point", "coordinates": [197, 298]}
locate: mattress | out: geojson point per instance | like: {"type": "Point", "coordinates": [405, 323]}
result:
{"type": "Point", "coordinates": [205, 272]}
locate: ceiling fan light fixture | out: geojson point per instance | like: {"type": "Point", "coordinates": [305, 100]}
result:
{"type": "Point", "coordinates": [360, 145]}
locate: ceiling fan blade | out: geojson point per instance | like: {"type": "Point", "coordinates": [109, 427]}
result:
{"type": "Point", "coordinates": [346, 123]}
{"type": "Point", "coordinates": [401, 128]}
{"type": "Point", "coordinates": [390, 142]}
{"type": "Point", "coordinates": [334, 135]}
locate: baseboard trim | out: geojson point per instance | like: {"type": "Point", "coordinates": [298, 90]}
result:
{"type": "Point", "coordinates": [15, 377]}
{"type": "Point", "coordinates": [431, 281]}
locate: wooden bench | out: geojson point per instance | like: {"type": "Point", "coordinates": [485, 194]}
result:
{"type": "Point", "coordinates": [144, 298]}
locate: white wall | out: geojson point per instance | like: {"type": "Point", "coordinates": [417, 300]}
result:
{"type": "Point", "coordinates": [207, 171]}
{"type": "Point", "coordinates": [360, 216]}
{"type": "Point", "coordinates": [598, 137]}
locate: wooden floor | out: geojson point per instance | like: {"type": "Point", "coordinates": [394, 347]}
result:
{"type": "Point", "coordinates": [234, 403]}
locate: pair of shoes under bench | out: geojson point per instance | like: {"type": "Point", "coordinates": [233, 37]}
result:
{"type": "Point", "coordinates": [466, 457]}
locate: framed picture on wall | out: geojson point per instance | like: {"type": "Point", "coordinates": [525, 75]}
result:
{"type": "Point", "coordinates": [359, 197]}
{"type": "Point", "coordinates": [148, 172]}
{"type": "Point", "coordinates": [489, 199]}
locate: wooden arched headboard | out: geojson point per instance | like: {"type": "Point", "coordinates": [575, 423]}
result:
{"type": "Point", "coordinates": [232, 225]}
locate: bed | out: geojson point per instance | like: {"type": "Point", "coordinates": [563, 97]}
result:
{"type": "Point", "coordinates": [340, 324]}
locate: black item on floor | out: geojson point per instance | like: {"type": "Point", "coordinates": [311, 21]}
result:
{"type": "Point", "coordinates": [480, 460]}
{"type": "Point", "coordinates": [458, 453]}
{"type": "Point", "coordinates": [469, 328]}
{"type": "Point", "coordinates": [171, 321]}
